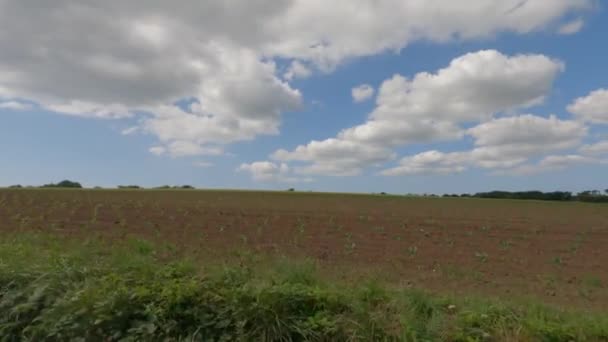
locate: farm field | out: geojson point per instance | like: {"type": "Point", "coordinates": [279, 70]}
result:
{"type": "Point", "coordinates": [553, 252]}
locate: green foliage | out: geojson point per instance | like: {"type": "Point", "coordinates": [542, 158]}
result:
{"type": "Point", "coordinates": [184, 187]}
{"type": "Point", "coordinates": [63, 184]}
{"type": "Point", "coordinates": [585, 196]}
{"type": "Point", "coordinates": [129, 187]}
{"type": "Point", "coordinates": [56, 289]}
{"type": "Point", "coordinates": [529, 195]}
{"type": "Point", "coordinates": [593, 196]}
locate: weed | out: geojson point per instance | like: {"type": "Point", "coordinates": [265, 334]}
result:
{"type": "Point", "coordinates": [558, 260]}
{"type": "Point", "coordinates": [592, 281]}
{"type": "Point", "coordinates": [51, 289]}
{"type": "Point", "coordinates": [482, 257]}
{"type": "Point", "coordinates": [95, 215]}
{"type": "Point", "coordinates": [301, 226]}
{"type": "Point", "coordinates": [506, 244]}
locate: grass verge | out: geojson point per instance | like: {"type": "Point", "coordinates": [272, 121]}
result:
{"type": "Point", "coordinates": [57, 289]}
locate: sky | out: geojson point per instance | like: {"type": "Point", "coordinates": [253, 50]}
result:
{"type": "Point", "coordinates": [397, 96]}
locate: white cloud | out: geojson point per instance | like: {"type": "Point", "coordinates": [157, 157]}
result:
{"type": "Point", "coordinates": [350, 28]}
{"type": "Point", "coordinates": [599, 148]}
{"type": "Point", "coordinates": [507, 141]}
{"type": "Point", "coordinates": [265, 171]}
{"type": "Point", "coordinates": [157, 150]}
{"type": "Point", "coordinates": [130, 130]}
{"type": "Point", "coordinates": [503, 143]}
{"type": "Point", "coordinates": [185, 148]}
{"type": "Point", "coordinates": [432, 107]}
{"type": "Point", "coordinates": [430, 162]}
{"type": "Point", "coordinates": [335, 157]}
{"type": "Point", "coordinates": [362, 93]}
{"type": "Point", "coordinates": [552, 163]}
{"type": "Point", "coordinates": [571, 27]}
{"type": "Point", "coordinates": [297, 70]}
{"type": "Point", "coordinates": [592, 108]}
{"type": "Point", "coordinates": [92, 110]}
{"type": "Point", "coordinates": [146, 55]}
{"type": "Point", "coordinates": [471, 88]}
{"type": "Point", "coordinates": [15, 105]}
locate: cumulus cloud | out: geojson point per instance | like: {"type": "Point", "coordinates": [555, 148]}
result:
{"type": "Point", "coordinates": [471, 88]}
{"type": "Point", "coordinates": [143, 56]}
{"type": "Point", "coordinates": [266, 171]}
{"type": "Point", "coordinates": [599, 148]}
{"type": "Point", "coordinates": [430, 162]}
{"type": "Point", "coordinates": [297, 70]}
{"type": "Point", "coordinates": [571, 27]}
{"type": "Point", "coordinates": [92, 110]}
{"type": "Point", "coordinates": [592, 108]}
{"type": "Point", "coordinates": [184, 148]}
{"type": "Point", "coordinates": [362, 93]}
{"type": "Point", "coordinates": [336, 157]}
{"type": "Point", "coordinates": [433, 107]}
{"type": "Point", "coordinates": [503, 143]}
{"type": "Point", "coordinates": [130, 130]}
{"type": "Point", "coordinates": [506, 142]}
{"type": "Point", "coordinates": [15, 105]}
{"type": "Point", "coordinates": [351, 28]}
{"type": "Point", "coordinates": [552, 163]}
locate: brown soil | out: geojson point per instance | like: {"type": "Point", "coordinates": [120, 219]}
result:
{"type": "Point", "coordinates": [552, 251]}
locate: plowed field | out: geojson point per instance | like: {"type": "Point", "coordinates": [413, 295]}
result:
{"type": "Point", "coordinates": [552, 251]}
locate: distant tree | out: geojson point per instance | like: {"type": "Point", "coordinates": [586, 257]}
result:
{"type": "Point", "coordinates": [63, 184]}
{"type": "Point", "coordinates": [69, 184]}
{"type": "Point", "coordinates": [187, 187]}
{"type": "Point", "coordinates": [16, 186]}
{"type": "Point", "coordinates": [163, 187]}
{"type": "Point", "coordinates": [129, 187]}
{"type": "Point", "coordinates": [291, 189]}
{"type": "Point", "coordinates": [591, 196]}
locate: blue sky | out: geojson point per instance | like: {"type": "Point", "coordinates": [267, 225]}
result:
{"type": "Point", "coordinates": [103, 112]}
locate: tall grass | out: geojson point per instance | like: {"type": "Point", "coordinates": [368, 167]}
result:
{"type": "Point", "coordinates": [58, 289]}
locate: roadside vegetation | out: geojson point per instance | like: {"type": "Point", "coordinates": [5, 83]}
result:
{"type": "Point", "coordinates": [54, 288]}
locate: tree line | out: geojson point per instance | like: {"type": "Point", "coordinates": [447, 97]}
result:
{"type": "Point", "coordinates": [75, 185]}
{"type": "Point", "coordinates": [584, 196]}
